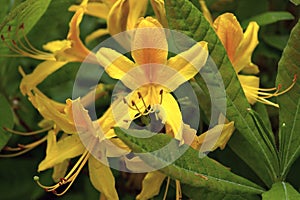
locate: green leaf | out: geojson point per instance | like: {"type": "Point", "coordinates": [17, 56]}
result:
{"type": "Point", "coordinates": [296, 2]}
{"type": "Point", "coordinates": [276, 41]}
{"type": "Point", "coordinates": [4, 8]}
{"type": "Point", "coordinates": [184, 17]}
{"type": "Point", "coordinates": [206, 194]}
{"type": "Point", "coordinates": [263, 114]}
{"type": "Point", "coordinates": [280, 191]}
{"type": "Point", "coordinates": [27, 13]}
{"type": "Point", "coordinates": [6, 120]}
{"type": "Point", "coordinates": [289, 111]}
{"type": "Point", "coordinates": [188, 168]}
{"type": "Point", "coordinates": [268, 18]}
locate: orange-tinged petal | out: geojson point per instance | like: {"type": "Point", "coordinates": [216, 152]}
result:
{"type": "Point", "coordinates": [242, 56]}
{"type": "Point", "coordinates": [57, 45]}
{"type": "Point", "coordinates": [230, 33]}
{"type": "Point", "coordinates": [137, 9]}
{"type": "Point", "coordinates": [39, 74]}
{"type": "Point", "coordinates": [117, 18]}
{"type": "Point", "coordinates": [96, 9]}
{"type": "Point", "coordinates": [149, 42]}
{"type": "Point", "coordinates": [160, 12]}
{"type": "Point", "coordinates": [250, 85]}
{"type": "Point", "coordinates": [96, 34]}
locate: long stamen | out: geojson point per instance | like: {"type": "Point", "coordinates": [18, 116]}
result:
{"type": "Point", "coordinates": [161, 96]}
{"type": "Point", "coordinates": [167, 188]}
{"type": "Point", "coordinates": [141, 97]}
{"type": "Point", "coordinates": [178, 190]}
{"type": "Point", "coordinates": [69, 178]}
{"type": "Point", "coordinates": [24, 49]}
{"type": "Point", "coordinates": [27, 133]}
{"type": "Point", "coordinates": [22, 148]}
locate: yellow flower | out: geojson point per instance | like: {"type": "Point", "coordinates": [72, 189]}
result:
{"type": "Point", "coordinates": [70, 50]}
{"type": "Point", "coordinates": [71, 146]}
{"type": "Point", "coordinates": [239, 47]}
{"type": "Point", "coordinates": [121, 15]}
{"type": "Point", "coordinates": [152, 77]}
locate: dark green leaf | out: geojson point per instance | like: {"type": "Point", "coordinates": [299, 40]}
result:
{"type": "Point", "coordinates": [276, 41]}
{"type": "Point", "coordinates": [268, 18]}
{"type": "Point", "coordinates": [184, 17]}
{"type": "Point", "coordinates": [188, 168]}
{"type": "Point", "coordinates": [280, 191]}
{"type": "Point", "coordinates": [6, 120]}
{"type": "Point", "coordinates": [296, 2]}
{"type": "Point", "coordinates": [289, 111]}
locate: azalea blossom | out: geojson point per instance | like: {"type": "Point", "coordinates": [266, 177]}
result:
{"type": "Point", "coordinates": [152, 77]}
{"type": "Point", "coordinates": [121, 15]}
{"type": "Point", "coordinates": [71, 49]}
{"type": "Point", "coordinates": [239, 47]}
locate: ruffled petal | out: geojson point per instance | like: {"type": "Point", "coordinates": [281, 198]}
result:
{"type": "Point", "coordinates": [39, 74]}
{"type": "Point", "coordinates": [66, 148]}
{"type": "Point", "coordinates": [149, 43]}
{"type": "Point", "coordinates": [102, 178]}
{"type": "Point", "coordinates": [242, 56]}
{"type": "Point", "coordinates": [151, 185]}
{"type": "Point", "coordinates": [230, 33]}
{"type": "Point", "coordinates": [250, 85]}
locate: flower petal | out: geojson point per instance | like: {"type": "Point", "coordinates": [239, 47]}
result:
{"type": "Point", "coordinates": [250, 69]}
{"type": "Point", "coordinates": [216, 137]}
{"type": "Point", "coordinates": [242, 56]}
{"type": "Point", "coordinates": [151, 185]}
{"type": "Point", "coordinates": [39, 74]}
{"type": "Point", "coordinates": [117, 17]}
{"type": "Point", "coordinates": [149, 43]}
{"type": "Point", "coordinates": [60, 170]}
{"type": "Point", "coordinates": [96, 34]}
{"type": "Point", "coordinates": [102, 178]}
{"type": "Point", "coordinates": [160, 12]}
{"type": "Point", "coordinates": [137, 9]}
{"type": "Point", "coordinates": [114, 63]}
{"type": "Point", "coordinates": [230, 33]}
{"type": "Point", "coordinates": [250, 85]}
{"type": "Point", "coordinates": [95, 9]}
{"type": "Point", "coordinates": [187, 64]}
{"type": "Point", "coordinates": [173, 116]}
{"type": "Point", "coordinates": [66, 148]}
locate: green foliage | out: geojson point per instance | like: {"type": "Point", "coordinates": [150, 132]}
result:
{"type": "Point", "coordinates": [281, 190]}
{"type": "Point", "coordinates": [188, 168]}
{"type": "Point", "coordinates": [289, 111]}
{"type": "Point", "coordinates": [184, 17]}
{"type": "Point", "coordinates": [6, 120]}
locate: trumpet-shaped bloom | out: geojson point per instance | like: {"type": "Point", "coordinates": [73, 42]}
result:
{"type": "Point", "coordinates": [121, 15]}
{"type": "Point", "coordinates": [152, 77]}
{"type": "Point", "coordinates": [71, 146]}
{"type": "Point", "coordinates": [71, 49]}
{"type": "Point", "coordinates": [239, 47]}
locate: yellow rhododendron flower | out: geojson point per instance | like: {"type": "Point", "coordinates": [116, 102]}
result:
{"type": "Point", "coordinates": [71, 146]}
{"type": "Point", "coordinates": [239, 47]}
{"type": "Point", "coordinates": [71, 49]}
{"type": "Point", "coordinates": [121, 15]}
{"type": "Point", "coordinates": [152, 77]}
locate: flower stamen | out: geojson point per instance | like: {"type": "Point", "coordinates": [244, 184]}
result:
{"type": "Point", "coordinates": [23, 49]}
{"type": "Point", "coordinates": [68, 179]}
